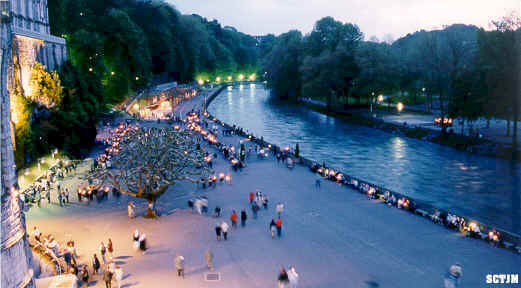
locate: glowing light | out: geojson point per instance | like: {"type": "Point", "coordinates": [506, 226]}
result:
{"type": "Point", "coordinates": [90, 69]}
{"type": "Point", "coordinates": [137, 78]}
{"type": "Point", "coordinates": [229, 78]}
{"type": "Point", "coordinates": [200, 81]}
{"type": "Point", "coordinates": [112, 73]}
{"type": "Point", "coordinates": [136, 106]}
{"type": "Point", "coordinates": [241, 77]}
{"type": "Point", "coordinates": [229, 88]}
{"type": "Point", "coordinates": [399, 106]}
{"type": "Point", "coordinates": [380, 98]}
{"type": "Point", "coordinates": [218, 79]}
{"type": "Point", "coordinates": [252, 77]}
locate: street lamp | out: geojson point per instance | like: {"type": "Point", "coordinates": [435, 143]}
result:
{"type": "Point", "coordinates": [200, 82]}
{"type": "Point", "coordinates": [218, 79]}
{"type": "Point", "coordinates": [399, 107]}
{"type": "Point", "coordinates": [380, 98]}
{"type": "Point", "coordinates": [229, 78]}
{"type": "Point", "coordinates": [241, 77]}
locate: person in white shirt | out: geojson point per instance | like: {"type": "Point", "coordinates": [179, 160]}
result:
{"type": "Point", "coordinates": [118, 273]}
{"type": "Point", "coordinates": [224, 228]}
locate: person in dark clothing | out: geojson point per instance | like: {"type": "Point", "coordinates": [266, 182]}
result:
{"type": "Point", "coordinates": [243, 218]}
{"type": "Point", "coordinates": [217, 211]}
{"type": "Point", "coordinates": [191, 204]}
{"type": "Point", "coordinates": [107, 277]}
{"type": "Point", "coordinates": [85, 276]}
{"type": "Point", "coordinates": [273, 227]}
{"type": "Point", "coordinates": [218, 231]}
{"type": "Point", "coordinates": [95, 264]}
{"type": "Point", "coordinates": [67, 256]}
{"type": "Point", "coordinates": [279, 226]}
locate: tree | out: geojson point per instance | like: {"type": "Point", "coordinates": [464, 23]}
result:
{"type": "Point", "coordinates": [282, 65]}
{"type": "Point", "coordinates": [45, 86]}
{"type": "Point", "coordinates": [149, 161]}
{"type": "Point", "coordinates": [509, 58]}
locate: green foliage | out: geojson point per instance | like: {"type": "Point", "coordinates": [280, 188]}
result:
{"type": "Point", "coordinates": [282, 65]}
{"type": "Point", "coordinates": [322, 64]}
{"type": "Point", "coordinates": [45, 87]}
{"type": "Point", "coordinates": [21, 117]}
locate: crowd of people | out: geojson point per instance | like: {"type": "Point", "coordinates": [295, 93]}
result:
{"type": "Point", "coordinates": [50, 180]}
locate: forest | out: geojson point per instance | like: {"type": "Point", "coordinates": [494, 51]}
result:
{"type": "Point", "coordinates": [460, 71]}
{"type": "Point", "coordinates": [117, 48]}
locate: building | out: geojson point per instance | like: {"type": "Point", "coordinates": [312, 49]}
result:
{"type": "Point", "coordinates": [24, 39]}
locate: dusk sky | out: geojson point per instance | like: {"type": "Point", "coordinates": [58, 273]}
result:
{"type": "Point", "coordinates": [374, 17]}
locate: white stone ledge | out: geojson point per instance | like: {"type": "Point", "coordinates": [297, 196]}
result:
{"type": "Point", "coordinates": [40, 36]}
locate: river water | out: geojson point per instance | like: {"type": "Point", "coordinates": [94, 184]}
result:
{"type": "Point", "coordinates": [485, 189]}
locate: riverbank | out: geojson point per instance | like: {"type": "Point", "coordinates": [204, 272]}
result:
{"type": "Point", "coordinates": [474, 145]}
{"type": "Point", "coordinates": [427, 198]}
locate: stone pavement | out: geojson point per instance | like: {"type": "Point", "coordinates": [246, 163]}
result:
{"type": "Point", "coordinates": [334, 236]}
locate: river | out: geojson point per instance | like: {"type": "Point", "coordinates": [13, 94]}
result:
{"type": "Point", "coordinates": [485, 189]}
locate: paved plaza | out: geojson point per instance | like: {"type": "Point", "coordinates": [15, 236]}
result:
{"type": "Point", "coordinates": [334, 236]}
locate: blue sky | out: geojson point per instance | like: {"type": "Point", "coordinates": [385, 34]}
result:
{"type": "Point", "coordinates": [374, 17]}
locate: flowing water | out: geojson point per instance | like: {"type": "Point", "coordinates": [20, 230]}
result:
{"type": "Point", "coordinates": [486, 189]}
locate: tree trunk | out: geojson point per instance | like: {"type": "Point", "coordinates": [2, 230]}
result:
{"type": "Point", "coordinates": [151, 209]}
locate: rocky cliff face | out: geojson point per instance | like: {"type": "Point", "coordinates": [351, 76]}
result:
{"type": "Point", "coordinates": [16, 259]}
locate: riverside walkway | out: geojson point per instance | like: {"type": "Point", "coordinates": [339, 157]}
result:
{"type": "Point", "coordinates": [334, 236]}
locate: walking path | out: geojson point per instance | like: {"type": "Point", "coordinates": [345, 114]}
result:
{"type": "Point", "coordinates": [334, 236]}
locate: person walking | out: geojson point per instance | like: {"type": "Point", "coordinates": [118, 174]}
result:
{"type": "Point", "coordinates": [280, 208]}
{"type": "Point", "coordinates": [118, 273]}
{"type": "Point", "coordinates": [224, 228]}
{"type": "Point", "coordinates": [255, 208]}
{"type": "Point", "coordinates": [110, 249]}
{"type": "Point", "coordinates": [265, 202]}
{"type": "Point", "coordinates": [95, 264]}
{"type": "Point", "coordinates": [48, 196]}
{"type": "Point", "coordinates": [243, 218]}
{"type": "Point", "coordinates": [103, 251]}
{"type": "Point", "coordinates": [85, 276]}
{"type": "Point", "coordinates": [66, 195]}
{"type": "Point", "coordinates": [179, 265]}
{"type": "Point", "coordinates": [60, 198]}
{"type": "Point", "coordinates": [283, 279]}
{"type": "Point", "coordinates": [209, 259]}
{"type": "Point", "coordinates": [292, 277]}
{"type": "Point", "coordinates": [218, 231]}
{"type": "Point", "coordinates": [107, 277]}
{"type": "Point", "coordinates": [233, 217]}
{"type": "Point", "coordinates": [278, 223]}
{"type": "Point", "coordinates": [273, 228]}
{"type": "Point", "coordinates": [452, 277]}
{"type": "Point", "coordinates": [251, 197]}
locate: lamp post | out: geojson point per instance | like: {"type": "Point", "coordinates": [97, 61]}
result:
{"type": "Point", "coordinates": [399, 107]}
